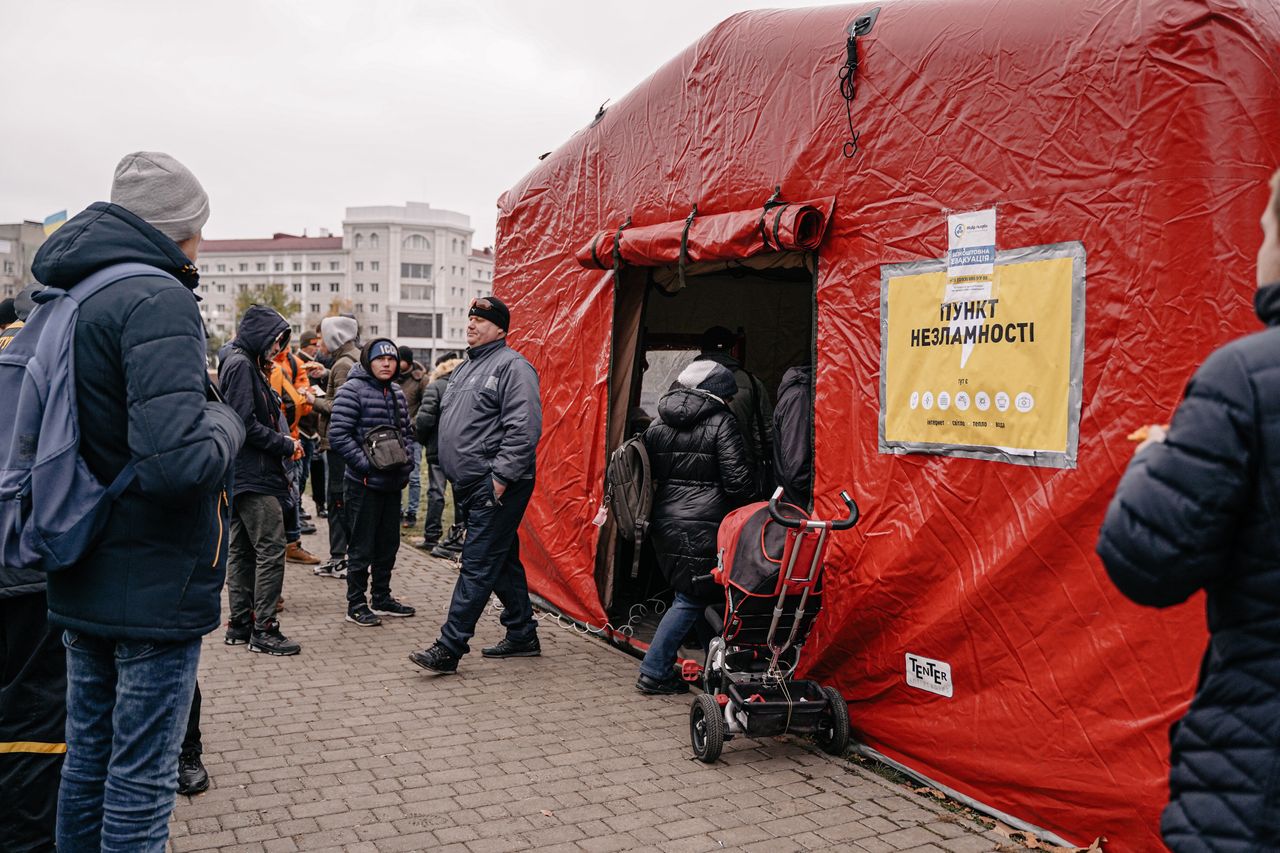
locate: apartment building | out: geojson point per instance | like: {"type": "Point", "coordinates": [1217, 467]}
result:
{"type": "Point", "coordinates": [18, 244]}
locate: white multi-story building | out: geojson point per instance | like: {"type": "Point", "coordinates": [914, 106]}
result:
{"type": "Point", "coordinates": [408, 273]}
{"type": "Point", "coordinates": [18, 245]}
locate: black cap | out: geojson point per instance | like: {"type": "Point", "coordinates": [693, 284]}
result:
{"type": "Point", "coordinates": [406, 354]}
{"type": "Point", "coordinates": [493, 309]}
{"type": "Point", "coordinates": [717, 339]}
{"type": "Point", "coordinates": [7, 312]}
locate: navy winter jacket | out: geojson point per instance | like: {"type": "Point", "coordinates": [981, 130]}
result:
{"type": "Point", "coordinates": [260, 467]}
{"type": "Point", "coordinates": [1202, 511]}
{"type": "Point", "coordinates": [700, 472]}
{"type": "Point", "coordinates": [362, 404]}
{"type": "Point", "coordinates": [143, 393]}
{"type": "Point", "coordinates": [490, 417]}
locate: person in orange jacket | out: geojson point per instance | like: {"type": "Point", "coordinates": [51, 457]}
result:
{"type": "Point", "coordinates": [292, 386]}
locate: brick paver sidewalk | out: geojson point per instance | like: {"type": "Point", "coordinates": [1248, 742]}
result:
{"type": "Point", "coordinates": [350, 747]}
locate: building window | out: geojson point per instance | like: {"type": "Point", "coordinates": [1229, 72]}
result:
{"type": "Point", "coordinates": [261, 266]}
{"type": "Point", "coordinates": [315, 287]}
{"type": "Point", "coordinates": [359, 241]}
{"type": "Point", "coordinates": [373, 285]}
{"type": "Point", "coordinates": [244, 267]}
{"type": "Point", "coordinates": [279, 266]}
{"type": "Point", "coordinates": [297, 287]}
{"type": "Point", "coordinates": [374, 265]}
{"type": "Point", "coordinates": [242, 287]}
{"type": "Point", "coordinates": [315, 266]}
{"type": "Point", "coordinates": [222, 288]}
{"type": "Point", "coordinates": [333, 287]}
{"type": "Point", "coordinates": [315, 308]}
{"type": "Point", "coordinates": [297, 266]}
{"type": "Point", "coordinates": [359, 287]}
{"type": "Point", "coordinates": [204, 268]}
{"type": "Point", "coordinates": [333, 266]}
{"type": "Point", "coordinates": [359, 266]}
{"type": "Point", "coordinates": [455, 246]}
{"type": "Point", "coordinates": [374, 307]}
{"type": "Point", "coordinates": [422, 271]}
{"type": "Point", "coordinates": [419, 292]}
{"type": "Point", "coordinates": [373, 330]}
{"type": "Point", "coordinates": [359, 307]}
{"type": "Point", "coordinates": [222, 267]}
{"type": "Point", "coordinates": [417, 242]}
{"type": "Point", "coordinates": [373, 241]}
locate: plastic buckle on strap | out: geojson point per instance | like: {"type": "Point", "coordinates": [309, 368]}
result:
{"type": "Point", "coordinates": [690, 670]}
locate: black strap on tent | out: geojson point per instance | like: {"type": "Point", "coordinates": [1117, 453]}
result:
{"type": "Point", "coordinates": [684, 244]}
{"type": "Point", "coordinates": [617, 247]}
{"type": "Point", "coordinates": [775, 200]}
{"type": "Point", "coordinates": [594, 256]}
{"type": "Point", "coordinates": [849, 75]}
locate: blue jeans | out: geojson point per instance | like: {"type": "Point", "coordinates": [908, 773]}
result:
{"type": "Point", "coordinates": [680, 618]}
{"type": "Point", "coordinates": [415, 485]}
{"type": "Point", "coordinates": [490, 564]}
{"type": "Point", "coordinates": [127, 707]}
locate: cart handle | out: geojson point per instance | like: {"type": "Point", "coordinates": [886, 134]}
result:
{"type": "Point", "coordinates": [843, 524]}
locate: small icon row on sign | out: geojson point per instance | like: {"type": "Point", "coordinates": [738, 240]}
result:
{"type": "Point", "coordinates": [982, 401]}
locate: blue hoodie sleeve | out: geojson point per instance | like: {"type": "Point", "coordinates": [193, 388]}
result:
{"type": "Point", "coordinates": [182, 443]}
{"type": "Point", "coordinates": [343, 424]}
{"type": "Point", "coordinates": [1170, 529]}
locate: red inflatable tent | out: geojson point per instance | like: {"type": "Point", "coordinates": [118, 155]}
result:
{"type": "Point", "coordinates": [1050, 217]}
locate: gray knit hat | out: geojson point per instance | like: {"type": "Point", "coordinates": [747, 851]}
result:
{"type": "Point", "coordinates": [157, 188]}
{"type": "Point", "coordinates": [336, 331]}
{"type": "Point", "coordinates": [711, 377]}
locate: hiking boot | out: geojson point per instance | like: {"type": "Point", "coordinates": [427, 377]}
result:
{"type": "Point", "coordinates": [427, 544]}
{"type": "Point", "coordinates": [391, 607]}
{"type": "Point", "coordinates": [237, 634]}
{"type": "Point", "coordinates": [509, 648]}
{"type": "Point", "coordinates": [306, 528]}
{"type": "Point", "coordinates": [332, 569]}
{"type": "Point", "coordinates": [445, 553]}
{"type": "Point", "coordinates": [361, 615]}
{"type": "Point", "coordinates": [409, 519]}
{"type": "Point", "coordinates": [669, 686]}
{"type": "Point", "coordinates": [267, 639]}
{"type": "Point", "coordinates": [437, 659]}
{"type": "Point", "coordinates": [295, 553]}
{"type": "Point", "coordinates": [192, 777]}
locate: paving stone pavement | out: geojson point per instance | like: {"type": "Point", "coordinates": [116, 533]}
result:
{"type": "Point", "coordinates": [350, 747]}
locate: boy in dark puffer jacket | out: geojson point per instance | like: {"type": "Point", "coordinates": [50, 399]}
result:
{"type": "Point", "coordinates": [370, 399]}
{"type": "Point", "coordinates": [700, 473]}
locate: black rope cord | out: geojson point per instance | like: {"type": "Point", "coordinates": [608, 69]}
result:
{"type": "Point", "coordinates": [848, 90]}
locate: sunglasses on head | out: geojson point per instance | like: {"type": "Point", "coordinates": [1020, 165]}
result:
{"type": "Point", "coordinates": [482, 304]}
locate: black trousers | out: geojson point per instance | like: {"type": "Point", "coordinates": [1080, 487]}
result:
{"type": "Point", "coordinates": [33, 719]}
{"type": "Point", "coordinates": [319, 479]}
{"type": "Point", "coordinates": [374, 520]}
{"type": "Point", "coordinates": [339, 530]}
{"type": "Point", "coordinates": [191, 741]}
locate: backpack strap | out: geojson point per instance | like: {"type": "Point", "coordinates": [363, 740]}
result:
{"type": "Point", "coordinates": [646, 506]}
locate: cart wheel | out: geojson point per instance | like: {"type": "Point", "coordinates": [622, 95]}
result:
{"type": "Point", "coordinates": [833, 737]}
{"type": "Point", "coordinates": [706, 728]}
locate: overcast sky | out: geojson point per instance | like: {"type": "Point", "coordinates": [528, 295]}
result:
{"type": "Point", "coordinates": [290, 111]}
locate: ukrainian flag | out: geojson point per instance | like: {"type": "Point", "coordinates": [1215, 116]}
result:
{"type": "Point", "coordinates": [54, 221]}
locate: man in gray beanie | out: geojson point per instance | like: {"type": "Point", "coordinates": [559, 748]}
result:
{"type": "Point", "coordinates": [132, 611]}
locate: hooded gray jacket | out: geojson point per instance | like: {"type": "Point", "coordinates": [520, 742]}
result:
{"type": "Point", "coordinates": [490, 417]}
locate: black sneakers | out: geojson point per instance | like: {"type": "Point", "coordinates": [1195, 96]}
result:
{"type": "Point", "coordinates": [266, 639]}
{"type": "Point", "coordinates": [192, 777]}
{"type": "Point", "coordinates": [451, 546]}
{"type": "Point", "coordinates": [237, 634]}
{"type": "Point", "coordinates": [509, 648]}
{"type": "Point", "coordinates": [437, 659]}
{"type": "Point", "coordinates": [391, 607]}
{"type": "Point", "coordinates": [669, 686]}
{"type": "Point", "coordinates": [361, 615]}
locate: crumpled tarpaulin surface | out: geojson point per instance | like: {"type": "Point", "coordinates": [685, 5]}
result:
{"type": "Point", "coordinates": [780, 227]}
{"type": "Point", "coordinates": [1144, 129]}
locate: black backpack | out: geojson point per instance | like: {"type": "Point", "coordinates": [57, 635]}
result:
{"type": "Point", "coordinates": [629, 491]}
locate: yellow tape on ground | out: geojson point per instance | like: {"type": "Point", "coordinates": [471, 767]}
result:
{"type": "Point", "coordinates": [32, 746]}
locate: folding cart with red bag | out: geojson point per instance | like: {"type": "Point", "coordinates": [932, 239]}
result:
{"type": "Point", "coordinates": [770, 565]}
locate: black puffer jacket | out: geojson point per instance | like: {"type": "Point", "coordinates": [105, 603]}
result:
{"type": "Point", "coordinates": [793, 436]}
{"type": "Point", "coordinates": [363, 403]}
{"type": "Point", "coordinates": [260, 465]}
{"type": "Point", "coordinates": [700, 473]}
{"type": "Point", "coordinates": [1200, 512]}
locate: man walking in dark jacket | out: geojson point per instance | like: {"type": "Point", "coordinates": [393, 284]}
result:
{"type": "Point", "coordinates": [255, 575]}
{"type": "Point", "coordinates": [1196, 510]}
{"type": "Point", "coordinates": [371, 399]}
{"type": "Point", "coordinates": [136, 605]}
{"type": "Point", "coordinates": [428, 430]}
{"type": "Point", "coordinates": [793, 436]}
{"type": "Point", "coordinates": [490, 425]}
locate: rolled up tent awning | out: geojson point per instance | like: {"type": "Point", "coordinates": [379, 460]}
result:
{"type": "Point", "coordinates": [776, 227]}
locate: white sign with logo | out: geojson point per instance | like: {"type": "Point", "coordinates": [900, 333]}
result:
{"type": "Point", "coordinates": [971, 255]}
{"type": "Point", "coordinates": [930, 675]}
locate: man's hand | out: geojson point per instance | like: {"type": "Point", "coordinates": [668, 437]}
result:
{"type": "Point", "coordinates": [309, 393]}
{"type": "Point", "coordinates": [499, 488]}
{"type": "Point", "coordinates": [297, 450]}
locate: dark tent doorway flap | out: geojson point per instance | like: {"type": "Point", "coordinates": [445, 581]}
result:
{"type": "Point", "coordinates": [776, 227]}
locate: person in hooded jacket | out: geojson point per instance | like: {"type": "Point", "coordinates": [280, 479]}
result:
{"type": "Point", "coordinates": [137, 603]}
{"type": "Point", "coordinates": [750, 407]}
{"type": "Point", "coordinates": [371, 399]}
{"type": "Point", "coordinates": [1196, 510]}
{"type": "Point", "coordinates": [255, 574]}
{"type": "Point", "coordinates": [427, 424]}
{"type": "Point", "coordinates": [338, 343]}
{"type": "Point", "coordinates": [793, 436]}
{"type": "Point", "coordinates": [700, 472]}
